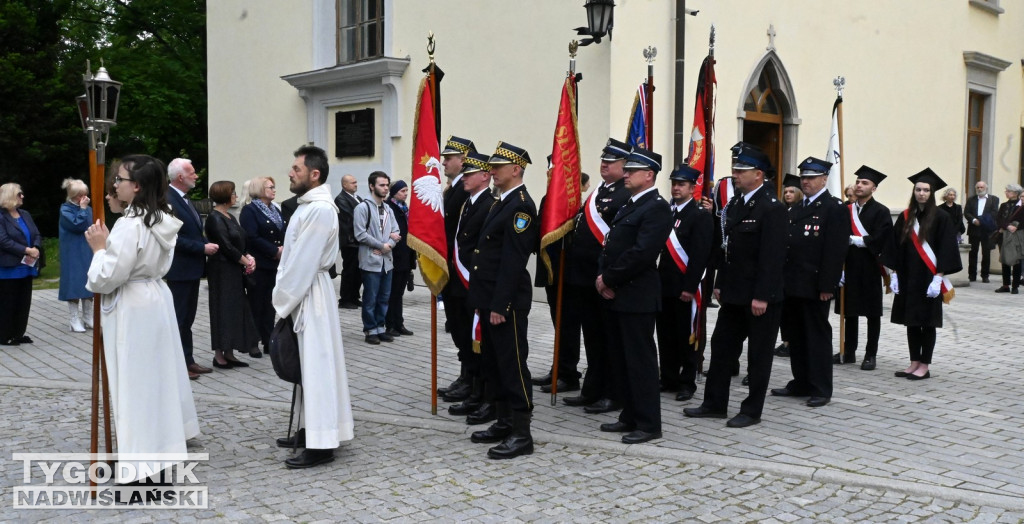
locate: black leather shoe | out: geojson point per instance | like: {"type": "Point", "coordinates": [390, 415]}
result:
{"type": "Point", "coordinates": [1003, 289]}
{"type": "Point", "coordinates": [984, 280]}
{"type": "Point", "coordinates": [783, 392]}
{"type": "Point", "coordinates": [384, 337]}
{"type": "Point", "coordinates": [290, 442]}
{"type": "Point", "coordinates": [684, 395]}
{"type": "Point", "coordinates": [640, 436]}
{"type": "Point", "coordinates": [404, 332]}
{"type": "Point", "coordinates": [256, 353]}
{"type": "Point", "coordinates": [578, 401]}
{"type": "Point", "coordinates": [564, 386]}
{"type": "Point", "coordinates": [236, 363]}
{"type": "Point", "coordinates": [464, 408]}
{"type": "Point", "coordinates": [348, 305]}
{"type": "Point", "coordinates": [746, 380]}
{"type": "Point", "coordinates": [849, 359]}
{"type": "Point", "coordinates": [742, 420]}
{"type": "Point", "coordinates": [911, 376]}
{"type": "Point", "coordinates": [458, 393]}
{"type": "Point", "coordinates": [24, 339]}
{"type": "Point", "coordinates": [900, 374]}
{"type": "Point", "coordinates": [604, 405]}
{"type": "Point", "coordinates": [868, 364]}
{"type": "Point", "coordinates": [455, 383]}
{"type": "Point", "coordinates": [310, 458]}
{"type": "Point", "coordinates": [496, 433]}
{"type": "Point", "coordinates": [617, 427]}
{"type": "Point", "coordinates": [513, 446]}
{"type": "Point", "coordinates": [703, 412]}
{"type": "Point", "coordinates": [817, 402]}
{"type": "Point", "coordinates": [218, 365]}
{"type": "Point", "coordinates": [392, 332]}
{"type": "Point", "coordinates": [782, 350]}
{"type": "Point", "coordinates": [373, 340]}
{"type": "Point", "coordinates": [540, 381]}
{"type": "Point", "coordinates": [1013, 291]}
{"type": "Point", "coordinates": [483, 414]}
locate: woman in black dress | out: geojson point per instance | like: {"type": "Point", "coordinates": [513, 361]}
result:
{"type": "Point", "coordinates": [231, 324]}
{"type": "Point", "coordinates": [955, 212]}
{"type": "Point", "coordinates": [925, 252]}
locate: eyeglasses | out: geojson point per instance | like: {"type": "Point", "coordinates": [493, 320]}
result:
{"type": "Point", "coordinates": [21, 195]}
{"type": "Point", "coordinates": [118, 179]}
{"type": "Point", "coordinates": [272, 188]}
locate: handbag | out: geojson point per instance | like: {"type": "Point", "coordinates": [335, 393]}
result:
{"type": "Point", "coordinates": [284, 351]}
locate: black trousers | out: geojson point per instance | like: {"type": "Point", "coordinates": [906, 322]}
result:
{"type": "Point", "coordinates": [1012, 271]}
{"type": "Point", "coordinates": [810, 349]}
{"type": "Point", "coordinates": [186, 302]}
{"type": "Point", "coordinates": [735, 324]}
{"type": "Point", "coordinates": [921, 340]}
{"type": "Point", "coordinates": [634, 357]}
{"type": "Point", "coordinates": [394, 318]}
{"type": "Point", "coordinates": [981, 243]}
{"type": "Point", "coordinates": [599, 381]}
{"type": "Point", "coordinates": [259, 290]}
{"type": "Point", "coordinates": [569, 343]}
{"type": "Point", "coordinates": [351, 278]}
{"type": "Point", "coordinates": [852, 334]}
{"type": "Point", "coordinates": [503, 359]}
{"type": "Point", "coordinates": [460, 320]}
{"type": "Point", "coordinates": [14, 307]}
{"type": "Point", "coordinates": [678, 358]}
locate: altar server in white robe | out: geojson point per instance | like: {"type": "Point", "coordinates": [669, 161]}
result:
{"type": "Point", "coordinates": [151, 397]}
{"type": "Point", "coordinates": [304, 291]}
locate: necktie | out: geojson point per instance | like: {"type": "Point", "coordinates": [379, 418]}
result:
{"type": "Point", "coordinates": [807, 202]}
{"type": "Point", "coordinates": [193, 208]}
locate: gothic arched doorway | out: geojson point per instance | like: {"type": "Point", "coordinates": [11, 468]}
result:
{"type": "Point", "coordinates": [768, 114]}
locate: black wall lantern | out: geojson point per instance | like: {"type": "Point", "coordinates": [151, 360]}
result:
{"type": "Point", "coordinates": [600, 20]}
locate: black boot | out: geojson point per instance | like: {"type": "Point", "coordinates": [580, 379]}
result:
{"type": "Point", "coordinates": [485, 413]}
{"type": "Point", "coordinates": [499, 430]}
{"type": "Point", "coordinates": [298, 440]}
{"type": "Point", "coordinates": [476, 398]}
{"type": "Point", "coordinates": [310, 458]}
{"type": "Point", "coordinates": [519, 442]}
{"type": "Point", "coordinates": [463, 377]}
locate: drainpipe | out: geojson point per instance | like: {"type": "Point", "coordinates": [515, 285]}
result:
{"type": "Point", "coordinates": [679, 136]}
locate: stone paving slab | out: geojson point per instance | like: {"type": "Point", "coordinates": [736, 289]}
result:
{"type": "Point", "coordinates": [959, 431]}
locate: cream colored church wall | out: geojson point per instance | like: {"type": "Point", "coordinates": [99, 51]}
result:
{"type": "Point", "coordinates": [256, 119]}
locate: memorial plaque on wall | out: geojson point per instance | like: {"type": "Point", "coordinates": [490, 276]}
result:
{"type": "Point", "coordinates": [353, 133]}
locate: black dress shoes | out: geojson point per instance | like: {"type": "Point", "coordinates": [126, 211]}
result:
{"type": "Point", "coordinates": [868, 364]}
{"type": "Point", "coordinates": [684, 395]}
{"type": "Point", "coordinates": [404, 332]}
{"type": "Point", "coordinates": [384, 337]}
{"type": "Point", "coordinates": [640, 436]}
{"type": "Point", "coordinates": [578, 401]}
{"type": "Point", "coordinates": [540, 381]}
{"type": "Point", "coordinates": [235, 363]}
{"type": "Point", "coordinates": [464, 408]}
{"type": "Point", "coordinates": [373, 340]}
{"type": "Point", "coordinates": [617, 427]}
{"type": "Point", "coordinates": [256, 353]}
{"type": "Point", "coordinates": [496, 433]}
{"type": "Point", "coordinates": [309, 458]}
{"type": "Point", "coordinates": [564, 386]}
{"type": "Point", "coordinates": [604, 405]}
{"type": "Point", "coordinates": [392, 332]}
{"type": "Point", "coordinates": [911, 376]}
{"type": "Point", "coordinates": [298, 440]}
{"type": "Point", "coordinates": [783, 392]}
{"type": "Point", "coordinates": [746, 380]}
{"type": "Point", "coordinates": [218, 365]}
{"type": "Point", "coordinates": [817, 402]}
{"type": "Point", "coordinates": [703, 412]}
{"type": "Point", "coordinates": [24, 339]}
{"type": "Point", "coordinates": [742, 420]}
{"type": "Point", "coordinates": [485, 413]}
{"type": "Point", "coordinates": [782, 350]}
{"type": "Point", "coordinates": [844, 359]}
{"type": "Point", "coordinates": [900, 374]}
{"type": "Point", "coordinates": [460, 392]}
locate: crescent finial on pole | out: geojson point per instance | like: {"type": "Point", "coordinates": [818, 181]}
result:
{"type": "Point", "coordinates": [430, 46]}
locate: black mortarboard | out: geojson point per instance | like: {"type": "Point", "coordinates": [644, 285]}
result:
{"type": "Point", "coordinates": [928, 177]}
{"type": "Point", "coordinates": [867, 173]}
{"type": "Point", "coordinates": [791, 181]}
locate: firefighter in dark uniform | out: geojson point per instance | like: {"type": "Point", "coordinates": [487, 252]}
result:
{"type": "Point", "coordinates": [748, 287]}
{"type": "Point", "coordinates": [500, 293]}
{"type": "Point", "coordinates": [681, 269]}
{"type": "Point", "coordinates": [870, 231]}
{"type": "Point", "coordinates": [455, 150]}
{"type": "Point", "coordinates": [476, 177]}
{"type": "Point", "coordinates": [600, 392]}
{"type": "Point", "coordinates": [628, 282]}
{"type": "Point", "coordinates": [818, 235]}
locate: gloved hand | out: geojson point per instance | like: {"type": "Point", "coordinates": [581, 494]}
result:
{"type": "Point", "coordinates": [856, 241]}
{"type": "Point", "coordinates": [935, 287]}
{"type": "Point", "coordinates": [842, 278]}
{"type": "Point", "coordinates": [894, 284]}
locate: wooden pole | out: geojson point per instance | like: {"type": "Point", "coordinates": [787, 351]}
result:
{"type": "Point", "coordinates": [842, 187]}
{"type": "Point", "coordinates": [433, 354]}
{"type": "Point", "coordinates": [558, 326]}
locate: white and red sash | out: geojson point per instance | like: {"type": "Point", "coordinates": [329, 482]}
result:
{"type": "Point", "coordinates": [460, 268]}
{"type": "Point", "coordinates": [924, 250]}
{"type": "Point", "coordinates": [857, 228]}
{"type": "Point", "coordinates": [478, 334]}
{"type": "Point", "coordinates": [596, 224]}
{"type": "Point", "coordinates": [682, 260]}
{"type": "Point", "coordinates": [725, 191]}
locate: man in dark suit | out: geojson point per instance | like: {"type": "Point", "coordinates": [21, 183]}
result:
{"type": "Point", "coordinates": [190, 254]}
{"type": "Point", "coordinates": [500, 293]}
{"type": "Point", "coordinates": [600, 391]}
{"type": "Point", "coordinates": [748, 287]}
{"type": "Point", "coordinates": [453, 154]}
{"type": "Point", "coordinates": [681, 268]}
{"type": "Point", "coordinates": [870, 236]}
{"type": "Point", "coordinates": [476, 177]}
{"type": "Point", "coordinates": [818, 236]}
{"type": "Point", "coordinates": [351, 278]}
{"type": "Point", "coordinates": [980, 213]}
{"type": "Point", "coordinates": [628, 281]}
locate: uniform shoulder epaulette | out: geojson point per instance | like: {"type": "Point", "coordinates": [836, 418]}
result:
{"type": "Point", "coordinates": [522, 196]}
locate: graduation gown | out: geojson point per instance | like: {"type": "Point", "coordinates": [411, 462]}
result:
{"type": "Point", "coordinates": [863, 287]}
{"type": "Point", "coordinates": [304, 291]}
{"type": "Point", "coordinates": [150, 394]}
{"type": "Point", "coordinates": [911, 307]}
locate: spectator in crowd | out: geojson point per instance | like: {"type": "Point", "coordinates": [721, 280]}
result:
{"type": "Point", "coordinates": [75, 255]}
{"type": "Point", "coordinates": [346, 202]}
{"type": "Point", "coordinates": [403, 258]}
{"type": "Point", "coordinates": [264, 236]}
{"type": "Point", "coordinates": [1009, 219]}
{"type": "Point", "coordinates": [956, 212]}
{"type": "Point", "coordinates": [376, 230]}
{"type": "Point", "coordinates": [19, 263]}
{"type": "Point", "coordinates": [231, 324]}
{"type": "Point", "coordinates": [980, 212]}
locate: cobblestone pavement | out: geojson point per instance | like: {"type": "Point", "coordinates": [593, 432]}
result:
{"type": "Point", "coordinates": [945, 449]}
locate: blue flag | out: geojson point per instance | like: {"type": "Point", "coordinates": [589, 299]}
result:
{"type": "Point", "coordinates": [636, 134]}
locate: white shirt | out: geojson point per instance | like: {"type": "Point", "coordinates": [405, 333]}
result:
{"type": "Point", "coordinates": [510, 190]}
{"type": "Point", "coordinates": [637, 196]}
{"type": "Point", "coordinates": [746, 196]}
{"type": "Point", "coordinates": [473, 197]}
{"type": "Point", "coordinates": [678, 207]}
{"type": "Point", "coordinates": [810, 200]}
{"type": "Point", "coordinates": [981, 204]}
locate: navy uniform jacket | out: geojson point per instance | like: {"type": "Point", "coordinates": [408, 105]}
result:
{"type": "Point", "coordinates": [454, 197]}
{"type": "Point", "coordinates": [499, 280]}
{"type": "Point", "coordinates": [751, 266]}
{"type": "Point", "coordinates": [863, 288]}
{"type": "Point", "coordinates": [189, 252]}
{"type": "Point", "coordinates": [818, 236]}
{"type": "Point", "coordinates": [629, 262]}
{"type": "Point", "coordinates": [581, 259]}
{"type": "Point", "coordinates": [470, 223]}
{"type": "Point", "coordinates": [262, 236]}
{"type": "Point", "coordinates": [693, 226]}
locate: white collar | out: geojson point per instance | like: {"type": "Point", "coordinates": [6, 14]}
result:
{"type": "Point", "coordinates": [746, 196]}
{"type": "Point", "coordinates": [506, 193]}
{"type": "Point", "coordinates": [473, 197]}
{"type": "Point", "coordinates": [637, 196]}
{"type": "Point", "coordinates": [456, 179]}
{"type": "Point", "coordinates": [180, 192]}
{"type": "Point", "coordinates": [678, 207]}
{"type": "Point", "coordinates": [812, 198]}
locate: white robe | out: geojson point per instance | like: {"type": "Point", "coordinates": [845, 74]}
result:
{"type": "Point", "coordinates": [304, 290]}
{"type": "Point", "coordinates": [150, 392]}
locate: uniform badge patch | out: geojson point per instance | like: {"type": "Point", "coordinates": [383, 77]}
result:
{"type": "Point", "coordinates": [521, 222]}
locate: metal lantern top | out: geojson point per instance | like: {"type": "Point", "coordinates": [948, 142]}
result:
{"type": "Point", "coordinates": [599, 17]}
{"type": "Point", "coordinates": [102, 95]}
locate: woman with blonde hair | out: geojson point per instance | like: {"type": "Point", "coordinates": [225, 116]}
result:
{"type": "Point", "coordinates": [75, 255]}
{"type": "Point", "coordinates": [264, 237]}
{"type": "Point", "coordinates": [19, 264]}
{"type": "Point", "coordinates": [955, 212]}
